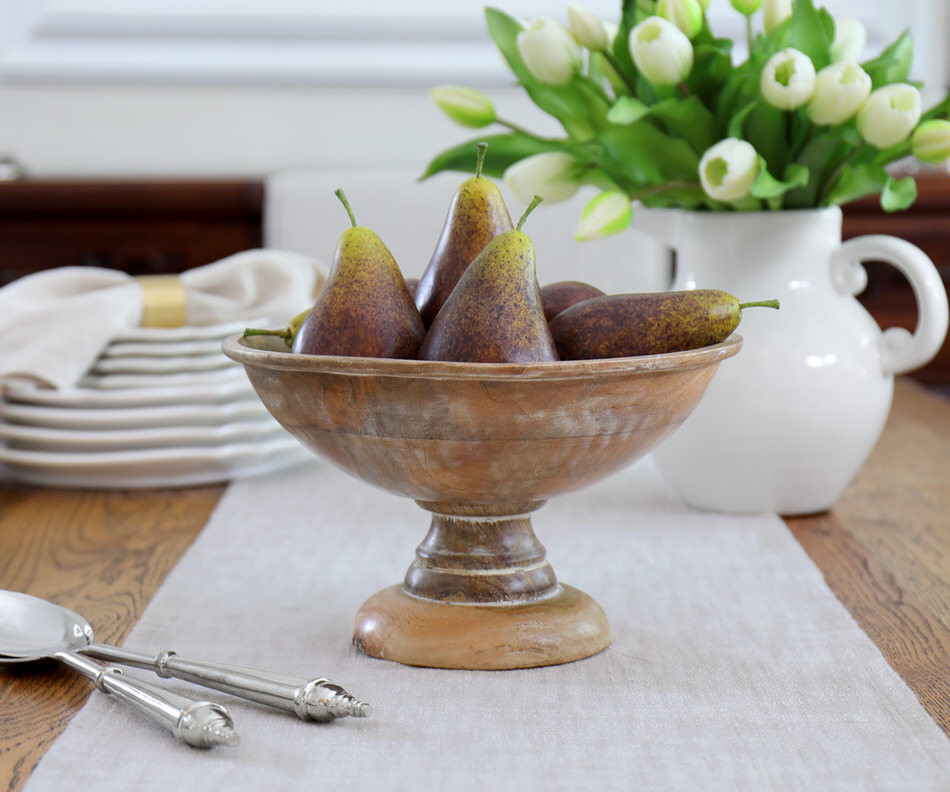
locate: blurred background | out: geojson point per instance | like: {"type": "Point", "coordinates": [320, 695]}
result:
{"type": "Point", "coordinates": [156, 135]}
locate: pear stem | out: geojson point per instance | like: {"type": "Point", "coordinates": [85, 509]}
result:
{"type": "Point", "coordinates": [285, 334]}
{"type": "Point", "coordinates": [346, 205]}
{"type": "Point", "coordinates": [482, 148]}
{"type": "Point", "coordinates": [760, 304]}
{"type": "Point", "coordinates": [531, 206]}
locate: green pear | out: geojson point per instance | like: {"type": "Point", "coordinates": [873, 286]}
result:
{"type": "Point", "coordinates": [494, 313]}
{"type": "Point", "coordinates": [624, 325]}
{"type": "Point", "coordinates": [476, 216]}
{"type": "Point", "coordinates": [365, 309]}
{"type": "Point", "coordinates": [561, 295]}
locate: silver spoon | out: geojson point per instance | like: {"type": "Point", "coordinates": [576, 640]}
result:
{"type": "Point", "coordinates": [309, 699]}
{"type": "Point", "coordinates": [29, 632]}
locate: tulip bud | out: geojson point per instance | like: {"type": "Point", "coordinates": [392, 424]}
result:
{"type": "Point", "coordinates": [465, 106]}
{"type": "Point", "coordinates": [705, 4]}
{"type": "Point", "coordinates": [889, 115]}
{"type": "Point", "coordinates": [747, 7]}
{"type": "Point", "coordinates": [728, 170]}
{"type": "Point", "coordinates": [850, 38]}
{"type": "Point", "coordinates": [687, 15]}
{"type": "Point", "coordinates": [840, 91]}
{"type": "Point", "coordinates": [587, 29]}
{"type": "Point", "coordinates": [775, 13]}
{"type": "Point", "coordinates": [605, 214]}
{"type": "Point", "coordinates": [788, 79]}
{"type": "Point", "coordinates": [554, 175]}
{"type": "Point", "coordinates": [612, 31]}
{"type": "Point", "coordinates": [931, 141]}
{"type": "Point", "coordinates": [661, 51]}
{"type": "Point", "coordinates": [549, 51]}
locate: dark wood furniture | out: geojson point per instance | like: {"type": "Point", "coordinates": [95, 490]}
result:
{"type": "Point", "coordinates": [158, 227]}
{"type": "Point", "coordinates": [884, 550]}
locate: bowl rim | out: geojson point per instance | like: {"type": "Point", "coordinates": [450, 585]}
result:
{"type": "Point", "coordinates": [235, 348]}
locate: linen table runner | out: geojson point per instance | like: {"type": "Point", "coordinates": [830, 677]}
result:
{"type": "Point", "coordinates": [733, 667]}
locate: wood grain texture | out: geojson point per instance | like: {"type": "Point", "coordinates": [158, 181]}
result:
{"type": "Point", "coordinates": [103, 554]}
{"type": "Point", "coordinates": [884, 548]}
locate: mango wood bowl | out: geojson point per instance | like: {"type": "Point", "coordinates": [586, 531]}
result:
{"type": "Point", "coordinates": [480, 446]}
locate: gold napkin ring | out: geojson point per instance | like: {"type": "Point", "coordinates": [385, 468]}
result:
{"type": "Point", "coordinates": [164, 301]}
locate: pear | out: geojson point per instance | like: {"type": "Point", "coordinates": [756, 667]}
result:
{"type": "Point", "coordinates": [561, 295]}
{"type": "Point", "coordinates": [476, 216]}
{"type": "Point", "coordinates": [494, 314]}
{"type": "Point", "coordinates": [365, 309]}
{"type": "Point", "coordinates": [624, 325]}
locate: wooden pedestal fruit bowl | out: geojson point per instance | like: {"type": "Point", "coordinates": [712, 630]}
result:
{"type": "Point", "coordinates": [481, 446]}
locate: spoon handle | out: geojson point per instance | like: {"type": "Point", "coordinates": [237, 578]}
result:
{"type": "Point", "coordinates": [309, 699]}
{"type": "Point", "coordinates": [201, 724]}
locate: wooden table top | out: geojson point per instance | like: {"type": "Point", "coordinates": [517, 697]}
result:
{"type": "Point", "coordinates": [884, 551]}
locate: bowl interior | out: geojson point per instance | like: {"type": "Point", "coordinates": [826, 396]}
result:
{"type": "Point", "coordinates": [480, 433]}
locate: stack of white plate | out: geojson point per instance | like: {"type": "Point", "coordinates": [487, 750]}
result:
{"type": "Point", "coordinates": [161, 408]}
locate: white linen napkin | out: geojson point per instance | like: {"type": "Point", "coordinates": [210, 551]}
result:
{"type": "Point", "coordinates": [54, 324]}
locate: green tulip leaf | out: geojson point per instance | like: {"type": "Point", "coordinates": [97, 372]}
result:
{"type": "Point", "coordinates": [737, 122]}
{"type": "Point", "coordinates": [503, 151]}
{"type": "Point", "coordinates": [689, 119]}
{"type": "Point", "coordinates": [809, 34]}
{"type": "Point", "coordinates": [892, 65]}
{"type": "Point", "coordinates": [627, 110]}
{"type": "Point", "coordinates": [857, 181]}
{"type": "Point", "coordinates": [767, 187]}
{"type": "Point", "coordinates": [898, 194]}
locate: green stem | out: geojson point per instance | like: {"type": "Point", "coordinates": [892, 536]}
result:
{"type": "Point", "coordinates": [346, 205]}
{"type": "Point", "coordinates": [616, 67]}
{"type": "Point", "coordinates": [684, 90]}
{"type": "Point", "coordinates": [521, 130]}
{"type": "Point", "coordinates": [760, 304]}
{"type": "Point", "coordinates": [748, 32]}
{"type": "Point", "coordinates": [284, 334]}
{"type": "Point", "coordinates": [531, 207]}
{"type": "Point", "coordinates": [661, 188]}
{"type": "Point", "coordinates": [480, 161]}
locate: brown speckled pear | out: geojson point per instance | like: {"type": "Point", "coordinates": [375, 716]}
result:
{"type": "Point", "coordinates": [626, 325]}
{"type": "Point", "coordinates": [494, 314]}
{"type": "Point", "coordinates": [365, 310]}
{"type": "Point", "coordinates": [561, 295]}
{"type": "Point", "coordinates": [477, 215]}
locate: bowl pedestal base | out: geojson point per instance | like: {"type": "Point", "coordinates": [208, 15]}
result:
{"type": "Point", "coordinates": [481, 595]}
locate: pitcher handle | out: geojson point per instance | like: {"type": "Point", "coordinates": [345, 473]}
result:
{"type": "Point", "coordinates": [901, 351]}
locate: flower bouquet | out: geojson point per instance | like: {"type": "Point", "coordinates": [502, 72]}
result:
{"type": "Point", "coordinates": [656, 111]}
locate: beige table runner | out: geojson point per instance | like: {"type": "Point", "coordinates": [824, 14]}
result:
{"type": "Point", "coordinates": [733, 666]}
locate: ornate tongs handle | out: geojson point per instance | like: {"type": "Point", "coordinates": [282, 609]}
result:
{"type": "Point", "coordinates": [309, 699]}
{"type": "Point", "coordinates": [201, 724]}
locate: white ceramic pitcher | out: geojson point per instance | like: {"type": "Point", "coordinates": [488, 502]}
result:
{"type": "Point", "coordinates": [787, 423]}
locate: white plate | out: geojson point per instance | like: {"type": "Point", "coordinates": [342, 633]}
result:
{"type": "Point", "coordinates": [189, 333]}
{"type": "Point", "coordinates": [163, 467]}
{"type": "Point", "coordinates": [132, 417]}
{"type": "Point", "coordinates": [73, 440]}
{"type": "Point", "coordinates": [31, 393]}
{"type": "Point", "coordinates": [158, 349]}
{"type": "Point", "coordinates": [121, 381]}
{"type": "Point", "coordinates": [162, 365]}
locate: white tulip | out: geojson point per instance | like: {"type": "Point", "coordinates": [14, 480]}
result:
{"type": "Point", "coordinates": [605, 214]}
{"type": "Point", "coordinates": [788, 79]}
{"type": "Point", "coordinates": [728, 170]}
{"type": "Point", "coordinates": [840, 91]}
{"type": "Point", "coordinates": [465, 106]}
{"type": "Point", "coordinates": [612, 31]}
{"type": "Point", "coordinates": [549, 51]}
{"type": "Point", "coordinates": [687, 15]}
{"type": "Point", "coordinates": [661, 51]}
{"type": "Point", "coordinates": [555, 176]}
{"type": "Point", "coordinates": [931, 141]}
{"type": "Point", "coordinates": [775, 12]}
{"type": "Point", "coordinates": [889, 115]}
{"type": "Point", "coordinates": [850, 38]}
{"type": "Point", "coordinates": [588, 30]}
